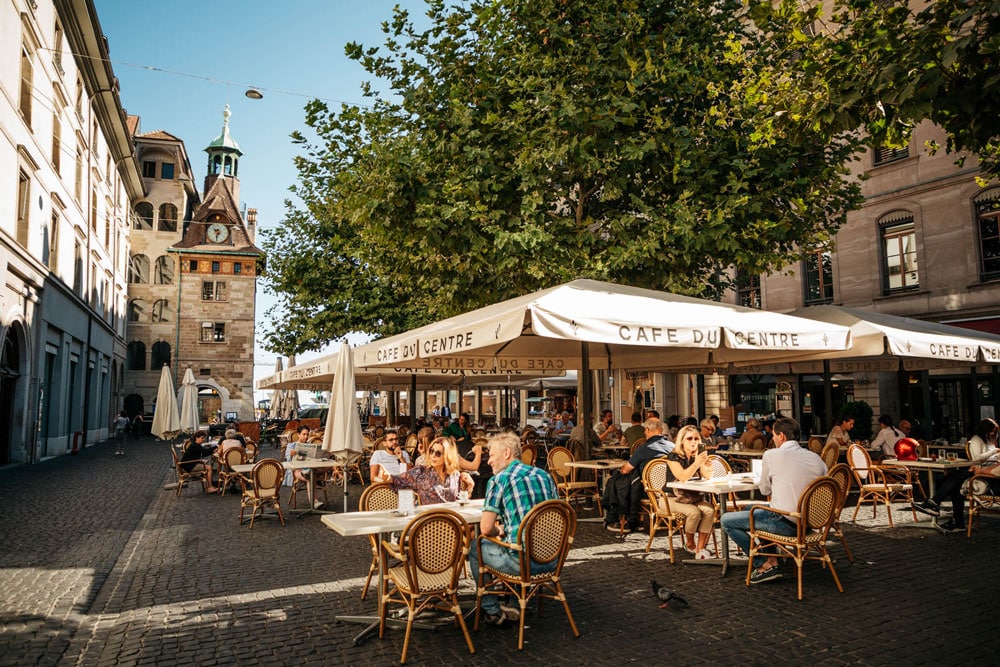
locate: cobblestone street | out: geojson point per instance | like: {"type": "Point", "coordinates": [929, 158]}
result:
{"type": "Point", "coordinates": [102, 566]}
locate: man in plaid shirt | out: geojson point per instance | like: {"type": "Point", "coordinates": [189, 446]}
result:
{"type": "Point", "coordinates": [512, 492]}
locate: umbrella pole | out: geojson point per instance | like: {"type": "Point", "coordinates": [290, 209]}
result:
{"type": "Point", "coordinates": [585, 389]}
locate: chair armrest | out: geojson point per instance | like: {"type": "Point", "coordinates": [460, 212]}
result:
{"type": "Point", "coordinates": [393, 550]}
{"type": "Point", "coordinates": [768, 508]}
{"type": "Point", "coordinates": [497, 540]}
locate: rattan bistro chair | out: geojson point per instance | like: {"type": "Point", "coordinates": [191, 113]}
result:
{"type": "Point", "coordinates": [201, 472]}
{"type": "Point", "coordinates": [431, 553]}
{"type": "Point", "coordinates": [816, 512]}
{"type": "Point", "coordinates": [565, 478]}
{"type": "Point", "coordinates": [376, 498]}
{"type": "Point", "coordinates": [654, 479]}
{"type": "Point", "coordinates": [830, 454]}
{"type": "Point", "coordinates": [233, 457]}
{"type": "Point", "coordinates": [263, 490]}
{"type": "Point", "coordinates": [983, 498]}
{"type": "Point", "coordinates": [841, 474]}
{"type": "Point", "coordinates": [878, 484]}
{"type": "Point", "coordinates": [543, 538]}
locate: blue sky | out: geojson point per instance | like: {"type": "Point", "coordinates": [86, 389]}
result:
{"type": "Point", "coordinates": [174, 59]}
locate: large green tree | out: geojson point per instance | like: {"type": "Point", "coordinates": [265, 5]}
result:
{"type": "Point", "coordinates": [886, 65]}
{"type": "Point", "coordinates": [521, 144]}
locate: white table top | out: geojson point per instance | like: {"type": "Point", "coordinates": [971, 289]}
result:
{"type": "Point", "coordinates": [597, 464]}
{"type": "Point", "coordinates": [243, 468]}
{"type": "Point", "coordinates": [728, 484]}
{"type": "Point", "coordinates": [940, 464]}
{"type": "Point", "coordinates": [370, 523]}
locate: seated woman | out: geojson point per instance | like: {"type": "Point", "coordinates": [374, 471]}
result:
{"type": "Point", "coordinates": [686, 462]}
{"type": "Point", "coordinates": [841, 432]}
{"type": "Point", "coordinates": [392, 460]}
{"type": "Point", "coordinates": [441, 479]}
{"type": "Point", "coordinates": [424, 437]}
{"type": "Point", "coordinates": [193, 458]}
{"type": "Point", "coordinates": [301, 475]}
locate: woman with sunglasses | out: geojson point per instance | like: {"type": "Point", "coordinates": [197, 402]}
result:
{"type": "Point", "coordinates": [687, 462]}
{"type": "Point", "coordinates": [440, 479]}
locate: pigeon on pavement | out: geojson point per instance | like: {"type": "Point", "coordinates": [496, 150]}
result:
{"type": "Point", "coordinates": [667, 596]}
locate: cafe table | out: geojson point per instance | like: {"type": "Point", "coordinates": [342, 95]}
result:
{"type": "Point", "coordinates": [306, 464]}
{"type": "Point", "coordinates": [719, 487]}
{"type": "Point", "coordinates": [930, 466]}
{"type": "Point", "coordinates": [602, 467]}
{"type": "Point", "coordinates": [383, 523]}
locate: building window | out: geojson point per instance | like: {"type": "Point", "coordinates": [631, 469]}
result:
{"type": "Point", "coordinates": [988, 223]}
{"type": "Point", "coordinates": [237, 268]}
{"type": "Point", "coordinates": [882, 155]}
{"type": "Point", "coordinates": [159, 355]}
{"type": "Point", "coordinates": [78, 184]}
{"type": "Point", "coordinates": [138, 269]}
{"type": "Point", "coordinates": [899, 252]}
{"type": "Point", "coordinates": [161, 311]}
{"type": "Point", "coordinates": [168, 218]}
{"type": "Point", "coordinates": [148, 169]}
{"type": "Point", "coordinates": [213, 332]}
{"type": "Point", "coordinates": [748, 290]}
{"type": "Point", "coordinates": [216, 267]}
{"type": "Point", "coordinates": [167, 171]}
{"type": "Point", "coordinates": [93, 208]}
{"type": "Point", "coordinates": [57, 46]}
{"type": "Point", "coordinates": [819, 278]}
{"type": "Point", "coordinates": [78, 267]}
{"type": "Point", "coordinates": [193, 265]}
{"type": "Point", "coordinates": [27, 84]}
{"type": "Point", "coordinates": [79, 96]}
{"type": "Point", "coordinates": [52, 245]}
{"type": "Point", "coordinates": [23, 207]}
{"type": "Point", "coordinates": [143, 216]}
{"type": "Point", "coordinates": [213, 290]}
{"type": "Point", "coordinates": [56, 142]}
{"type": "Point", "coordinates": [163, 271]}
{"type": "Point", "coordinates": [136, 309]}
{"type": "Point", "coordinates": [135, 356]}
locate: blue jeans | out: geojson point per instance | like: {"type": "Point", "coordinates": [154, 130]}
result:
{"type": "Point", "coordinates": [737, 526]}
{"type": "Point", "coordinates": [499, 558]}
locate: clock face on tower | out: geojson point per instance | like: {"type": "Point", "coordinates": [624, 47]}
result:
{"type": "Point", "coordinates": [217, 233]}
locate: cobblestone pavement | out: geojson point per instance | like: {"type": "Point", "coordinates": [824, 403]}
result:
{"type": "Point", "coordinates": [99, 565]}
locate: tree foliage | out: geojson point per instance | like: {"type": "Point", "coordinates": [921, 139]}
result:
{"type": "Point", "coordinates": [522, 144]}
{"type": "Point", "coordinates": [887, 65]}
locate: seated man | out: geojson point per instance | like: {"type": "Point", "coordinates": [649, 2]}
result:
{"type": "Point", "coordinates": [786, 471]}
{"type": "Point", "coordinates": [565, 424]}
{"type": "Point", "coordinates": [511, 493]}
{"type": "Point", "coordinates": [635, 431]}
{"type": "Point", "coordinates": [623, 492]}
{"type": "Point", "coordinates": [606, 430]}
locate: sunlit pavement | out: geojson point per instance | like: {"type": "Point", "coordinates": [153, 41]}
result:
{"type": "Point", "coordinates": [99, 565]}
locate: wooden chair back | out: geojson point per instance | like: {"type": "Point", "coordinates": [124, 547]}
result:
{"type": "Point", "coordinates": [830, 454]}
{"type": "Point", "coordinates": [815, 445]}
{"type": "Point", "coordinates": [529, 454]}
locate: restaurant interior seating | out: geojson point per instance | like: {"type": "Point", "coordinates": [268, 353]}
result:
{"type": "Point", "coordinates": [841, 474]}
{"type": "Point", "coordinates": [654, 479]}
{"type": "Point", "coordinates": [544, 537]}
{"type": "Point", "coordinates": [379, 497]}
{"type": "Point", "coordinates": [264, 489]}
{"type": "Point", "coordinates": [431, 553]}
{"type": "Point", "coordinates": [878, 484]}
{"type": "Point", "coordinates": [816, 513]}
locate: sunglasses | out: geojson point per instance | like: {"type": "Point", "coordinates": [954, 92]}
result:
{"type": "Point", "coordinates": [437, 452]}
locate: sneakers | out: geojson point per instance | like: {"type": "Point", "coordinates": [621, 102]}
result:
{"type": "Point", "coordinates": [615, 528]}
{"type": "Point", "coordinates": [690, 550]}
{"type": "Point", "coordinates": [510, 612]}
{"type": "Point", "coordinates": [950, 526]}
{"type": "Point", "coordinates": [760, 576]}
{"type": "Point", "coordinates": [703, 554]}
{"type": "Point", "coordinates": [496, 619]}
{"type": "Point", "coordinates": [928, 507]}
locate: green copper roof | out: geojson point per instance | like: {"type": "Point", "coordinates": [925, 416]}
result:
{"type": "Point", "coordinates": [224, 142]}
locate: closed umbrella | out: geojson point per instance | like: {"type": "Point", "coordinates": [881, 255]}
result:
{"type": "Point", "coordinates": [278, 410]}
{"type": "Point", "coordinates": [292, 396]}
{"type": "Point", "coordinates": [166, 420]}
{"type": "Point", "coordinates": [189, 417]}
{"type": "Point", "coordinates": [342, 435]}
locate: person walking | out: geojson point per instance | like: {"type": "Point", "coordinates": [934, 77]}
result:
{"type": "Point", "coordinates": [121, 432]}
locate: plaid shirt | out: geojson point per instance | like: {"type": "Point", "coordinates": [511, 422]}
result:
{"type": "Point", "coordinates": [512, 492]}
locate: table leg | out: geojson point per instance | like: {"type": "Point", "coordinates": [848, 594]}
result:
{"type": "Point", "coordinates": [722, 560]}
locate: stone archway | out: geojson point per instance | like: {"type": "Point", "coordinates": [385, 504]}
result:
{"type": "Point", "coordinates": [13, 356]}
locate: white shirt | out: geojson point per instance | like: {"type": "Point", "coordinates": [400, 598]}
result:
{"type": "Point", "coordinates": [886, 440]}
{"type": "Point", "coordinates": [389, 463]}
{"type": "Point", "coordinates": [787, 471]}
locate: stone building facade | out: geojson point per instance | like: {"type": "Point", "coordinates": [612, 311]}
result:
{"type": "Point", "coordinates": [68, 178]}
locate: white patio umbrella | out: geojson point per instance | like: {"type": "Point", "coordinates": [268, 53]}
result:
{"type": "Point", "coordinates": [342, 435]}
{"type": "Point", "coordinates": [166, 420]}
{"type": "Point", "coordinates": [587, 321]}
{"type": "Point", "coordinates": [189, 416]}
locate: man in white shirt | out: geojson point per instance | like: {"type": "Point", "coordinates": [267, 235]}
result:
{"type": "Point", "coordinates": [393, 460]}
{"type": "Point", "coordinates": [887, 437]}
{"type": "Point", "coordinates": [785, 473]}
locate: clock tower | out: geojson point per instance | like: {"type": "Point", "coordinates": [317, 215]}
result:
{"type": "Point", "coordinates": [218, 264]}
